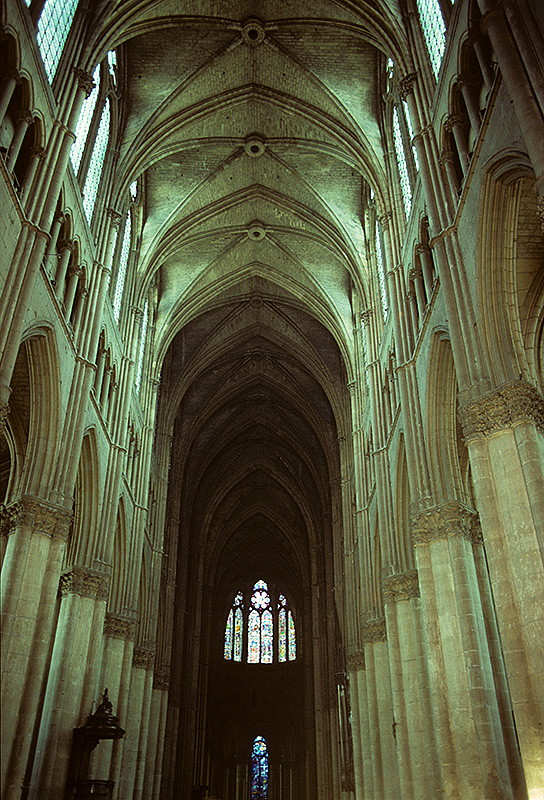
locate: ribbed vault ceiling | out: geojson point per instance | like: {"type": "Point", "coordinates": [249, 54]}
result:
{"type": "Point", "coordinates": [253, 128]}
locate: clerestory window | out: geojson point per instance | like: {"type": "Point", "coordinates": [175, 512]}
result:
{"type": "Point", "coordinates": [434, 31]}
{"type": "Point", "coordinates": [53, 27]}
{"type": "Point", "coordinates": [94, 173]}
{"type": "Point", "coordinates": [122, 272]}
{"type": "Point", "coordinates": [260, 630]}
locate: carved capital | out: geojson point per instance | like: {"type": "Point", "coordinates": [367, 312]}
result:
{"type": "Point", "coordinates": [67, 244]}
{"type": "Point", "coordinates": [119, 626]}
{"type": "Point", "coordinates": [445, 521]}
{"type": "Point", "coordinates": [453, 120]}
{"type": "Point", "coordinates": [38, 515]}
{"type": "Point", "coordinates": [406, 85]}
{"type": "Point", "coordinates": [422, 248]}
{"type": "Point", "coordinates": [161, 679]}
{"type": "Point", "coordinates": [85, 582]}
{"type": "Point", "coordinates": [143, 657]}
{"type": "Point", "coordinates": [4, 411]}
{"type": "Point", "coordinates": [415, 273]}
{"type": "Point", "coordinates": [540, 209]}
{"type": "Point", "coordinates": [401, 586]}
{"type": "Point", "coordinates": [26, 117]}
{"type": "Point", "coordinates": [374, 631]}
{"type": "Point", "coordinates": [355, 661]}
{"type": "Point", "coordinates": [11, 74]}
{"type": "Point", "coordinates": [38, 152]}
{"type": "Point", "coordinates": [84, 81]}
{"type": "Point", "coordinates": [446, 157]}
{"type": "Point", "coordinates": [115, 218]}
{"type": "Point", "coordinates": [502, 409]}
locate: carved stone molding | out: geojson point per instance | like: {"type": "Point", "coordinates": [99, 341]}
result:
{"type": "Point", "coordinates": [85, 582]}
{"type": "Point", "coordinates": [161, 679]}
{"type": "Point", "coordinates": [355, 661]}
{"type": "Point", "coordinates": [143, 657]}
{"type": "Point", "coordinates": [540, 209]}
{"type": "Point", "coordinates": [406, 85]}
{"type": "Point", "coordinates": [374, 631]}
{"type": "Point", "coordinates": [119, 627]}
{"type": "Point", "coordinates": [500, 410]}
{"type": "Point", "coordinates": [453, 120]}
{"type": "Point", "coordinates": [84, 81]}
{"type": "Point", "coordinates": [444, 521]}
{"type": "Point", "coordinates": [38, 515]}
{"type": "Point", "coordinates": [115, 218]}
{"type": "Point", "coordinates": [401, 586]}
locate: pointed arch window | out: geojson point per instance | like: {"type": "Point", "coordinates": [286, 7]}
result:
{"type": "Point", "coordinates": [94, 173]}
{"type": "Point", "coordinates": [402, 164]}
{"type": "Point", "coordinates": [122, 272]}
{"type": "Point", "coordinates": [143, 337]}
{"type": "Point", "coordinates": [381, 269]}
{"type": "Point", "coordinates": [434, 31]}
{"type": "Point", "coordinates": [262, 629]}
{"type": "Point", "coordinates": [259, 769]}
{"type": "Point", "coordinates": [53, 27]}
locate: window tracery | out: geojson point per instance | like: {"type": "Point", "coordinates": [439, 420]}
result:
{"type": "Point", "coordinates": [269, 628]}
{"type": "Point", "coordinates": [53, 27]}
{"type": "Point", "coordinates": [434, 31]}
{"type": "Point", "coordinates": [94, 173]}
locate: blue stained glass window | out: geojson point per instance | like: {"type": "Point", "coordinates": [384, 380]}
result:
{"type": "Point", "coordinates": [401, 161]}
{"type": "Point", "coordinates": [84, 122]}
{"type": "Point", "coordinates": [122, 273]}
{"type": "Point", "coordinates": [259, 769]}
{"type": "Point", "coordinates": [92, 181]}
{"type": "Point", "coordinates": [434, 31]}
{"type": "Point", "coordinates": [53, 27]}
{"type": "Point", "coordinates": [238, 634]}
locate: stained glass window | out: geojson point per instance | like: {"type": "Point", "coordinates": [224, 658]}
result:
{"type": "Point", "coordinates": [292, 639]}
{"type": "Point", "coordinates": [112, 65]}
{"type": "Point", "coordinates": [228, 635]}
{"type": "Point", "coordinates": [434, 31]}
{"type": "Point", "coordinates": [238, 633]}
{"type": "Point", "coordinates": [92, 181]}
{"type": "Point", "coordinates": [401, 161]}
{"type": "Point", "coordinates": [133, 189]}
{"type": "Point", "coordinates": [84, 122]}
{"type": "Point", "coordinates": [143, 335]}
{"type": "Point", "coordinates": [53, 26]}
{"type": "Point", "coordinates": [121, 274]}
{"type": "Point", "coordinates": [262, 621]}
{"type": "Point", "coordinates": [259, 769]}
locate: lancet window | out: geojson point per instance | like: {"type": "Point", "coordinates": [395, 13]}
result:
{"type": "Point", "coordinates": [402, 163]}
{"type": "Point", "coordinates": [259, 769]}
{"type": "Point", "coordinates": [143, 337]}
{"type": "Point", "coordinates": [122, 271]}
{"type": "Point", "coordinates": [53, 27]}
{"type": "Point", "coordinates": [84, 122]}
{"type": "Point", "coordinates": [434, 31]}
{"type": "Point", "coordinates": [92, 181]}
{"type": "Point", "coordinates": [260, 630]}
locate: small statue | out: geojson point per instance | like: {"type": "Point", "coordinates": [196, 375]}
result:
{"type": "Point", "coordinates": [105, 706]}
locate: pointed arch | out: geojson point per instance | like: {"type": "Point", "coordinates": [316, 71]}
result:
{"type": "Point", "coordinates": [82, 544]}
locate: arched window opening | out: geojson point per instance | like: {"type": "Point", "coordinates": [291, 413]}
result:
{"type": "Point", "coordinates": [84, 122]}
{"type": "Point", "coordinates": [122, 272]}
{"type": "Point", "coordinates": [53, 27]}
{"type": "Point", "coordinates": [259, 769]}
{"type": "Point", "coordinates": [402, 165]}
{"type": "Point", "coordinates": [434, 31]}
{"type": "Point", "coordinates": [143, 336]}
{"type": "Point", "coordinates": [381, 269]}
{"type": "Point", "coordinates": [266, 628]}
{"type": "Point", "coordinates": [94, 173]}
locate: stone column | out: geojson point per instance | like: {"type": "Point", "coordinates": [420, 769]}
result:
{"type": "Point", "coordinates": [356, 664]}
{"type": "Point", "coordinates": [504, 433]}
{"type": "Point", "coordinates": [10, 79]}
{"type": "Point", "coordinates": [465, 705]}
{"type": "Point", "coordinates": [413, 733]}
{"type": "Point", "coordinates": [131, 772]}
{"type": "Point", "coordinates": [155, 740]}
{"type": "Point", "coordinates": [23, 123]}
{"type": "Point", "coordinates": [37, 533]}
{"type": "Point", "coordinates": [83, 596]}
